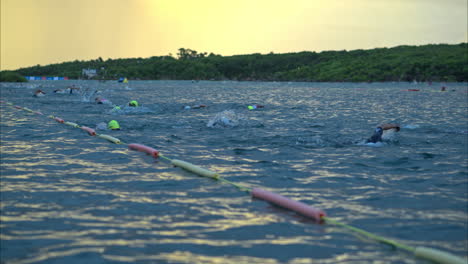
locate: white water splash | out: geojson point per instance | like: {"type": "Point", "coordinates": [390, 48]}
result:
{"type": "Point", "coordinates": [125, 110]}
{"type": "Point", "coordinates": [87, 95]}
{"type": "Point", "coordinates": [227, 118]}
{"type": "Point", "coordinates": [411, 126]}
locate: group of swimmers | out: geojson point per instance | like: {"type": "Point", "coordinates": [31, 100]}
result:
{"type": "Point", "coordinates": [68, 90]}
{"type": "Point", "coordinates": [114, 125]}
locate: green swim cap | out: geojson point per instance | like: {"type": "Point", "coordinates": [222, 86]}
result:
{"type": "Point", "coordinates": [133, 103]}
{"type": "Point", "coordinates": [116, 108]}
{"type": "Point", "coordinates": [250, 107]}
{"type": "Point", "coordinates": [113, 125]}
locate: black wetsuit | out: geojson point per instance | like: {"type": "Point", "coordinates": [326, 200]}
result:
{"type": "Point", "coordinates": [376, 137]}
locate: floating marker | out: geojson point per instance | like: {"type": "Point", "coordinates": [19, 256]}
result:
{"type": "Point", "coordinates": [71, 124]}
{"type": "Point", "coordinates": [143, 148]}
{"type": "Point", "coordinates": [60, 120]}
{"type": "Point", "coordinates": [110, 138]}
{"type": "Point", "coordinates": [438, 256]}
{"type": "Point", "coordinates": [282, 201]}
{"type": "Point", "coordinates": [195, 169]}
{"type": "Point", "coordinates": [18, 107]}
{"type": "Point", "coordinates": [90, 131]}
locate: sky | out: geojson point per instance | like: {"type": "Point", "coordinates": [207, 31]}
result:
{"type": "Point", "coordinates": [53, 31]}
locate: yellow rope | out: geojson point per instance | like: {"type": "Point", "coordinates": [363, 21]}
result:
{"type": "Point", "coordinates": [164, 157]}
{"type": "Point", "coordinates": [369, 235]}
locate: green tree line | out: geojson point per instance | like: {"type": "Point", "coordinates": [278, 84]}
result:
{"type": "Point", "coordinates": [435, 62]}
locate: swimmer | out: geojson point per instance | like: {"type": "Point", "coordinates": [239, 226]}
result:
{"type": "Point", "coordinates": [68, 90]}
{"type": "Point", "coordinates": [133, 103]}
{"type": "Point", "coordinates": [255, 106]}
{"type": "Point", "coordinates": [113, 125]}
{"type": "Point", "coordinates": [378, 132]}
{"type": "Point", "coordinates": [39, 93]}
{"type": "Point", "coordinates": [116, 108]}
{"type": "Point", "coordinates": [60, 91]}
{"type": "Point", "coordinates": [227, 118]}
{"type": "Point", "coordinates": [100, 100]}
{"type": "Point", "coordinates": [187, 107]}
{"type": "Point", "coordinates": [72, 88]}
{"type": "Point", "coordinates": [442, 88]}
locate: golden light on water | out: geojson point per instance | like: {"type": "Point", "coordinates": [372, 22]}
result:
{"type": "Point", "coordinates": [52, 31]}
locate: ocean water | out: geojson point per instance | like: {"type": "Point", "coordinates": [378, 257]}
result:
{"type": "Point", "coordinates": [67, 197]}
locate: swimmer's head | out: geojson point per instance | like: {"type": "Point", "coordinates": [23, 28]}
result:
{"type": "Point", "coordinates": [114, 125]}
{"type": "Point", "coordinates": [377, 136]}
{"type": "Point", "coordinates": [133, 103]}
{"type": "Point", "coordinates": [250, 107]}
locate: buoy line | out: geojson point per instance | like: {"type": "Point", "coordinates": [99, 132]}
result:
{"type": "Point", "coordinates": [301, 208]}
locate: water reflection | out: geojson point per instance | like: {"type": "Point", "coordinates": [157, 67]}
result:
{"type": "Point", "coordinates": [68, 197]}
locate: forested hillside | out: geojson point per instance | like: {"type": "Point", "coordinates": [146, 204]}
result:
{"type": "Point", "coordinates": [440, 62]}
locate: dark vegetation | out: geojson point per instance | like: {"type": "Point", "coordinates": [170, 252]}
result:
{"type": "Point", "coordinates": [441, 62]}
{"type": "Point", "coordinates": [10, 76]}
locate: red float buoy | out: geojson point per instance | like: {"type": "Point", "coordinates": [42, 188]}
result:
{"type": "Point", "coordinates": [143, 148]}
{"type": "Point", "coordinates": [284, 202]}
{"type": "Point", "coordinates": [90, 131]}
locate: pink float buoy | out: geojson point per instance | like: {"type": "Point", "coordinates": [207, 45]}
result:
{"type": "Point", "coordinates": [143, 148]}
{"type": "Point", "coordinates": [90, 131]}
{"type": "Point", "coordinates": [60, 120]}
{"type": "Point", "coordinates": [295, 206]}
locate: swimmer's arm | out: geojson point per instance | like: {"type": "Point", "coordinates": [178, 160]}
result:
{"type": "Point", "coordinates": [390, 126]}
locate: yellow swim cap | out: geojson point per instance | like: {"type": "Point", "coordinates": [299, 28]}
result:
{"type": "Point", "coordinates": [133, 103]}
{"type": "Point", "coordinates": [113, 125]}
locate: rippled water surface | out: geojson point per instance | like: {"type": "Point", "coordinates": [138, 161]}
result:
{"type": "Point", "coordinates": [67, 197]}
